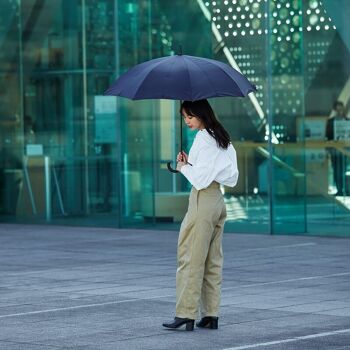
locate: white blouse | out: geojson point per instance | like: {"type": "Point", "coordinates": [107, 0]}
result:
{"type": "Point", "coordinates": [210, 163]}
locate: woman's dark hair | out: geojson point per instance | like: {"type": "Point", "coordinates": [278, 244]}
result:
{"type": "Point", "coordinates": [202, 110]}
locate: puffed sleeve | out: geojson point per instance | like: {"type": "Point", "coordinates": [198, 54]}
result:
{"type": "Point", "coordinates": [203, 172]}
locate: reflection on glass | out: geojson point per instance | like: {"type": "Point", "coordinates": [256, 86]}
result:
{"type": "Point", "coordinates": [107, 159]}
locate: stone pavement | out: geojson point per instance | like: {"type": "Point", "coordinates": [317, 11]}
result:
{"type": "Point", "coordinates": [109, 289]}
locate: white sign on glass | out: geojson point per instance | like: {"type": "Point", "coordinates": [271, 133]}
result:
{"type": "Point", "coordinates": [105, 104]}
{"type": "Point", "coordinates": [314, 129]}
{"type": "Point", "coordinates": [34, 149]}
{"type": "Point", "coordinates": [105, 119]}
{"type": "Point", "coordinates": [342, 130]}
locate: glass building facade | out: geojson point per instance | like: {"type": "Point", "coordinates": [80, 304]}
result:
{"type": "Point", "coordinates": [69, 155]}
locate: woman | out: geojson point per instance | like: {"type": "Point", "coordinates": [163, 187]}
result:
{"type": "Point", "coordinates": [211, 162]}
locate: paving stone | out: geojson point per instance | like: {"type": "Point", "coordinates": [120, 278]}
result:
{"type": "Point", "coordinates": [103, 289]}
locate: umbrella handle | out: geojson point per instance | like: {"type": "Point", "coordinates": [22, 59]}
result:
{"type": "Point", "coordinates": [170, 168]}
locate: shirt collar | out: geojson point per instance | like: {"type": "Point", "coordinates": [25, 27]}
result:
{"type": "Point", "coordinates": [205, 136]}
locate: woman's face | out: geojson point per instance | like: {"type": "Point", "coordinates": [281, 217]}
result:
{"type": "Point", "coordinates": [192, 122]}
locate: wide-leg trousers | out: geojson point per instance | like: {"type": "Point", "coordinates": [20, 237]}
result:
{"type": "Point", "coordinates": [199, 254]}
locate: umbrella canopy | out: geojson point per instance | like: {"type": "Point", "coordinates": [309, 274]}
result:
{"type": "Point", "coordinates": [181, 77]}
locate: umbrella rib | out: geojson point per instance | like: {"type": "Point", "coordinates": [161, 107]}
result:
{"type": "Point", "coordinates": [123, 76]}
{"type": "Point", "coordinates": [214, 63]}
{"type": "Point", "coordinates": [189, 75]}
{"type": "Point", "coordinates": [143, 81]}
{"type": "Point", "coordinates": [206, 74]}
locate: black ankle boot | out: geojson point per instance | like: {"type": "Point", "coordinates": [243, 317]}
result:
{"type": "Point", "coordinates": [208, 322]}
{"type": "Point", "coordinates": [178, 322]}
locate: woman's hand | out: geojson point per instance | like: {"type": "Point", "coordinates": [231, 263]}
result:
{"type": "Point", "coordinates": [182, 157]}
{"type": "Point", "coordinates": [181, 160]}
{"type": "Point", "coordinates": [180, 165]}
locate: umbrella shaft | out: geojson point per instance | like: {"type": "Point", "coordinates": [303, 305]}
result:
{"type": "Point", "coordinates": [180, 127]}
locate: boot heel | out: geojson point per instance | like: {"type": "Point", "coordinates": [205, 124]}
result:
{"type": "Point", "coordinates": [190, 326]}
{"type": "Point", "coordinates": [210, 322]}
{"type": "Point", "coordinates": [214, 324]}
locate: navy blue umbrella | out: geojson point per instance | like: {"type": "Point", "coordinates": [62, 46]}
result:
{"type": "Point", "coordinates": [180, 77]}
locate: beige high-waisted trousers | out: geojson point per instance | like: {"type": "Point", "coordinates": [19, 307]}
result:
{"type": "Point", "coordinates": [199, 254]}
